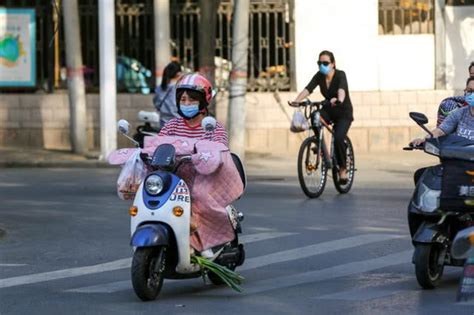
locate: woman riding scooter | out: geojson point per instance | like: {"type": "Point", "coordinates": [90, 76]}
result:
{"type": "Point", "coordinates": [193, 95]}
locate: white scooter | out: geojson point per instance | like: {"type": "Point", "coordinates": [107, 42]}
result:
{"type": "Point", "coordinates": [160, 224]}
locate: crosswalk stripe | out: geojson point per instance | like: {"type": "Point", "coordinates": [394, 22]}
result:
{"type": "Point", "coordinates": [265, 260]}
{"type": "Point", "coordinates": [110, 266]}
{"type": "Point", "coordinates": [251, 238]}
{"type": "Point", "coordinates": [316, 249]}
{"type": "Point", "coordinates": [110, 287]}
{"type": "Point", "coordinates": [65, 273]}
{"type": "Point", "coordinates": [319, 275]}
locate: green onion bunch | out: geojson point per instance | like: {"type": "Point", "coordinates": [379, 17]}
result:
{"type": "Point", "coordinates": [231, 278]}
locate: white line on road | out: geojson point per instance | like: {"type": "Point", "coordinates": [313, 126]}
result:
{"type": "Point", "coordinates": [320, 275]}
{"type": "Point", "coordinates": [263, 236]}
{"type": "Point", "coordinates": [265, 260]}
{"type": "Point", "coordinates": [110, 266]}
{"type": "Point", "coordinates": [12, 265]}
{"type": "Point", "coordinates": [316, 249]}
{"type": "Point", "coordinates": [65, 273]}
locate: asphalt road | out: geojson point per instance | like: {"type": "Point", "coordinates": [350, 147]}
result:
{"type": "Point", "coordinates": [66, 250]}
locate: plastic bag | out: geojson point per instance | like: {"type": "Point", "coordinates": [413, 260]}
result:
{"type": "Point", "coordinates": [132, 174]}
{"type": "Point", "coordinates": [299, 123]}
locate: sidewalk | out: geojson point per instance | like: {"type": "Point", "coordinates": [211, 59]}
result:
{"type": "Point", "coordinates": [256, 164]}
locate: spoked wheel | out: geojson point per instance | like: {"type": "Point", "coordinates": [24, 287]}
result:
{"type": "Point", "coordinates": [350, 164]}
{"type": "Point", "coordinates": [428, 265]}
{"type": "Point", "coordinates": [312, 169]}
{"type": "Point", "coordinates": [148, 265]}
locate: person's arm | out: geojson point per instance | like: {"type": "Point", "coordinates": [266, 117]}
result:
{"type": "Point", "coordinates": [303, 94]}
{"type": "Point", "coordinates": [448, 126]}
{"type": "Point", "coordinates": [308, 89]}
{"type": "Point", "coordinates": [436, 133]}
{"type": "Point", "coordinates": [341, 91]}
{"type": "Point", "coordinates": [220, 135]}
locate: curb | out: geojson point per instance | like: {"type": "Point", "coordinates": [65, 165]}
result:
{"type": "Point", "coordinates": [56, 164]}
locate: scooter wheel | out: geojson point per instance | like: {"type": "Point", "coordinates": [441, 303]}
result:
{"type": "Point", "coordinates": [427, 268]}
{"type": "Point", "coordinates": [147, 272]}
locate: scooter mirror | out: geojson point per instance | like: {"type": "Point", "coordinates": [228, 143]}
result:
{"type": "Point", "coordinates": [208, 123]}
{"type": "Point", "coordinates": [123, 126]}
{"type": "Point", "coordinates": [419, 118]}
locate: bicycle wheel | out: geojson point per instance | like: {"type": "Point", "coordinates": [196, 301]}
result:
{"type": "Point", "coordinates": [350, 164]}
{"type": "Point", "coordinates": [312, 169]}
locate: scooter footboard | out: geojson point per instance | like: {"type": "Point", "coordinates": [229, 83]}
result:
{"type": "Point", "coordinates": [147, 235]}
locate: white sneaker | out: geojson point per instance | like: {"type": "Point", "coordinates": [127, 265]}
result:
{"type": "Point", "coordinates": [208, 253]}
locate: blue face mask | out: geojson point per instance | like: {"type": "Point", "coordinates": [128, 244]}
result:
{"type": "Point", "coordinates": [189, 111]}
{"type": "Point", "coordinates": [324, 69]}
{"type": "Point", "coordinates": [469, 99]}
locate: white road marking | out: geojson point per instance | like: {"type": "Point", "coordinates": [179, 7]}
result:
{"type": "Point", "coordinates": [263, 236]}
{"type": "Point", "coordinates": [265, 260]}
{"type": "Point", "coordinates": [110, 266]}
{"type": "Point", "coordinates": [364, 294]}
{"type": "Point", "coordinates": [319, 275]}
{"type": "Point", "coordinates": [12, 265]}
{"type": "Point", "coordinates": [65, 273]}
{"type": "Point", "coordinates": [315, 249]}
{"type": "Point", "coordinates": [110, 287]}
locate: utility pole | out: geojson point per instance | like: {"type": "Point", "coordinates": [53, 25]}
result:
{"type": "Point", "coordinates": [108, 84]}
{"type": "Point", "coordinates": [207, 41]}
{"type": "Point", "coordinates": [238, 77]}
{"type": "Point", "coordinates": [161, 9]}
{"type": "Point", "coordinates": [440, 44]}
{"type": "Point", "coordinates": [75, 75]}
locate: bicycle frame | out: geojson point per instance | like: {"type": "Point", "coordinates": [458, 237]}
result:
{"type": "Point", "coordinates": [318, 124]}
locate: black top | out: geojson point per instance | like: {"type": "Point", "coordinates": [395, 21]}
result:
{"type": "Point", "coordinates": [339, 81]}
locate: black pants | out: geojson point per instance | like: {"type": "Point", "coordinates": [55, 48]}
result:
{"type": "Point", "coordinates": [340, 128]}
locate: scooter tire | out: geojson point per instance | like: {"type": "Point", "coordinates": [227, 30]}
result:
{"type": "Point", "coordinates": [146, 281]}
{"type": "Point", "coordinates": [428, 271]}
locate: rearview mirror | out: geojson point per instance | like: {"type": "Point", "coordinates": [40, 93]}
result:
{"type": "Point", "coordinates": [419, 118]}
{"type": "Point", "coordinates": [123, 126]}
{"type": "Point", "coordinates": [208, 123]}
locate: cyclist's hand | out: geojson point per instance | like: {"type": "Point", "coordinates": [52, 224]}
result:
{"type": "Point", "coordinates": [333, 101]}
{"type": "Point", "coordinates": [417, 142]}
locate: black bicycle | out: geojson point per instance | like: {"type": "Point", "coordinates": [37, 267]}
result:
{"type": "Point", "coordinates": [314, 159]}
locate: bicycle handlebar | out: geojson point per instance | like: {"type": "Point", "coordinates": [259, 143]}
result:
{"type": "Point", "coordinates": [307, 103]}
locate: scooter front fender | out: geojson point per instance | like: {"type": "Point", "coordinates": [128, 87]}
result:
{"type": "Point", "coordinates": [147, 235]}
{"type": "Point", "coordinates": [429, 233]}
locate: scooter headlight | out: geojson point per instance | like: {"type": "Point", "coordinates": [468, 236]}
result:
{"type": "Point", "coordinates": [428, 199]}
{"type": "Point", "coordinates": [154, 184]}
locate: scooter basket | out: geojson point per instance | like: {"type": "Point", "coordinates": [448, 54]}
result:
{"type": "Point", "coordinates": [457, 186]}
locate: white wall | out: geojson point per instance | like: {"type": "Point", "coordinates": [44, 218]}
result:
{"type": "Point", "coordinates": [459, 45]}
{"type": "Point", "coordinates": [349, 29]}
{"type": "Point", "coordinates": [406, 62]}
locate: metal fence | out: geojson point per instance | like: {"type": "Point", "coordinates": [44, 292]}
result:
{"type": "Point", "coordinates": [398, 17]}
{"type": "Point", "coordinates": [269, 34]}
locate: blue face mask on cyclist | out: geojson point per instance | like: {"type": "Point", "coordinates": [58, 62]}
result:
{"type": "Point", "coordinates": [469, 99]}
{"type": "Point", "coordinates": [190, 111]}
{"type": "Point", "coordinates": [324, 69]}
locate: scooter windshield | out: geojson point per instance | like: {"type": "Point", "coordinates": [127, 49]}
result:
{"type": "Point", "coordinates": [164, 156]}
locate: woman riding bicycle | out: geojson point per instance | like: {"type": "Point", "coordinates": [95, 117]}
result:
{"type": "Point", "coordinates": [338, 107]}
